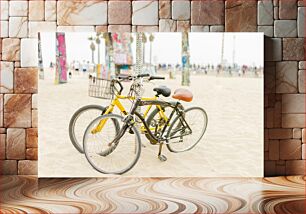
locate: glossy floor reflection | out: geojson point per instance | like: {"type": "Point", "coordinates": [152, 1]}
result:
{"type": "Point", "coordinates": [139, 195]}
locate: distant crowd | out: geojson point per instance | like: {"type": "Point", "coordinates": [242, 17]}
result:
{"type": "Point", "coordinates": [78, 67]}
{"type": "Point", "coordinates": [237, 70]}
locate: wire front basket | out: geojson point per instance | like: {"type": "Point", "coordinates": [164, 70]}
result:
{"type": "Point", "coordinates": [100, 88]}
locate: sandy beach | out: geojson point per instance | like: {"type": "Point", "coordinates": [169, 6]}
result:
{"type": "Point", "coordinates": [232, 145]}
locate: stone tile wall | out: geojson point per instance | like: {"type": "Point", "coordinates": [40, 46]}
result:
{"type": "Point", "coordinates": [282, 21]}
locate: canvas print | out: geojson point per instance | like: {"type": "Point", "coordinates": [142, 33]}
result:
{"type": "Point", "coordinates": [151, 104]}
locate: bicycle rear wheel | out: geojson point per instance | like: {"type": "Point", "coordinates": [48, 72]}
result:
{"type": "Point", "coordinates": [79, 122]}
{"type": "Point", "coordinates": [182, 138]}
{"type": "Point", "coordinates": [107, 155]}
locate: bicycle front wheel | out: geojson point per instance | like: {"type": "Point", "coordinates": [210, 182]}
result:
{"type": "Point", "coordinates": [108, 153]}
{"type": "Point", "coordinates": [181, 138]}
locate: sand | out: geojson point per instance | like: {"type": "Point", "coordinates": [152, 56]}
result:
{"type": "Point", "coordinates": [232, 145]}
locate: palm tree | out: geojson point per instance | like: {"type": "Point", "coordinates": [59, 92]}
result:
{"type": "Point", "coordinates": [98, 42]}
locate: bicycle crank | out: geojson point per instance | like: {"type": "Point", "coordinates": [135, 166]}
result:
{"type": "Point", "coordinates": [178, 141]}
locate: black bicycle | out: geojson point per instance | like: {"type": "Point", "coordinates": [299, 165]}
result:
{"type": "Point", "coordinates": [111, 151]}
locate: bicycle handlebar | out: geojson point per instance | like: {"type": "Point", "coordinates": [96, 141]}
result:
{"type": "Point", "coordinates": [156, 78]}
{"type": "Point", "coordinates": [141, 76]}
{"type": "Point", "coordinates": [135, 77]}
{"type": "Point", "coordinates": [119, 83]}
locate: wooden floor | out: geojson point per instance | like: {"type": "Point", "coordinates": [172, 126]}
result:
{"type": "Point", "coordinates": [139, 195]}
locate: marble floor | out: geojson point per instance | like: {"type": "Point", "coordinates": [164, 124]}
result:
{"type": "Point", "coordinates": [153, 195]}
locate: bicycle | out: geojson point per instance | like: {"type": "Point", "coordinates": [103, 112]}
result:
{"type": "Point", "coordinates": [101, 143]}
{"type": "Point", "coordinates": [90, 112]}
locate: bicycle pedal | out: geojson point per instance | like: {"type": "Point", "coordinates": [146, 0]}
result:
{"type": "Point", "coordinates": [162, 158]}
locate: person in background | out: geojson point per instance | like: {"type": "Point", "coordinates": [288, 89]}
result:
{"type": "Point", "coordinates": [71, 68]}
{"type": "Point", "coordinates": [219, 67]}
{"type": "Point", "coordinates": [88, 66]}
{"type": "Point", "coordinates": [240, 72]}
{"type": "Point", "coordinates": [256, 71]}
{"type": "Point", "coordinates": [84, 68]}
{"type": "Point", "coordinates": [244, 69]}
{"type": "Point", "coordinates": [76, 66]}
{"type": "Point", "coordinates": [230, 70]}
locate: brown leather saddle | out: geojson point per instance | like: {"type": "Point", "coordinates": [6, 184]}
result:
{"type": "Point", "coordinates": [183, 94]}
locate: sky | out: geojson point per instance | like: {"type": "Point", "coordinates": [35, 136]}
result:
{"type": "Point", "coordinates": [205, 48]}
{"type": "Point", "coordinates": [77, 46]}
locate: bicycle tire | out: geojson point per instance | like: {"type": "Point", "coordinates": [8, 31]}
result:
{"type": "Point", "coordinates": [171, 149]}
{"type": "Point", "coordinates": [86, 144]}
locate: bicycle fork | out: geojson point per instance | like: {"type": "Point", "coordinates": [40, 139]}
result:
{"type": "Point", "coordinates": [128, 123]}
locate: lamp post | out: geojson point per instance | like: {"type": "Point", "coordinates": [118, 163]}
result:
{"type": "Point", "coordinates": [144, 41]}
{"type": "Point", "coordinates": [98, 41]}
{"type": "Point", "coordinates": [92, 48]}
{"type": "Point", "coordinates": [234, 51]}
{"type": "Point", "coordinates": [222, 53]}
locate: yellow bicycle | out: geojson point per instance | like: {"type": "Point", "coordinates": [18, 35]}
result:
{"type": "Point", "coordinates": [83, 116]}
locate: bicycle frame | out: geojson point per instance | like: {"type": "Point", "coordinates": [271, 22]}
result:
{"type": "Point", "coordinates": [116, 103]}
{"type": "Point", "coordinates": [140, 102]}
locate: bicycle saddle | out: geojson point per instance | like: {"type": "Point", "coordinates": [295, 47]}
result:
{"type": "Point", "coordinates": [183, 94]}
{"type": "Point", "coordinates": [163, 90]}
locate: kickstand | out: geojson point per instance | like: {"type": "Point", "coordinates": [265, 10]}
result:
{"type": "Point", "coordinates": [160, 156]}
